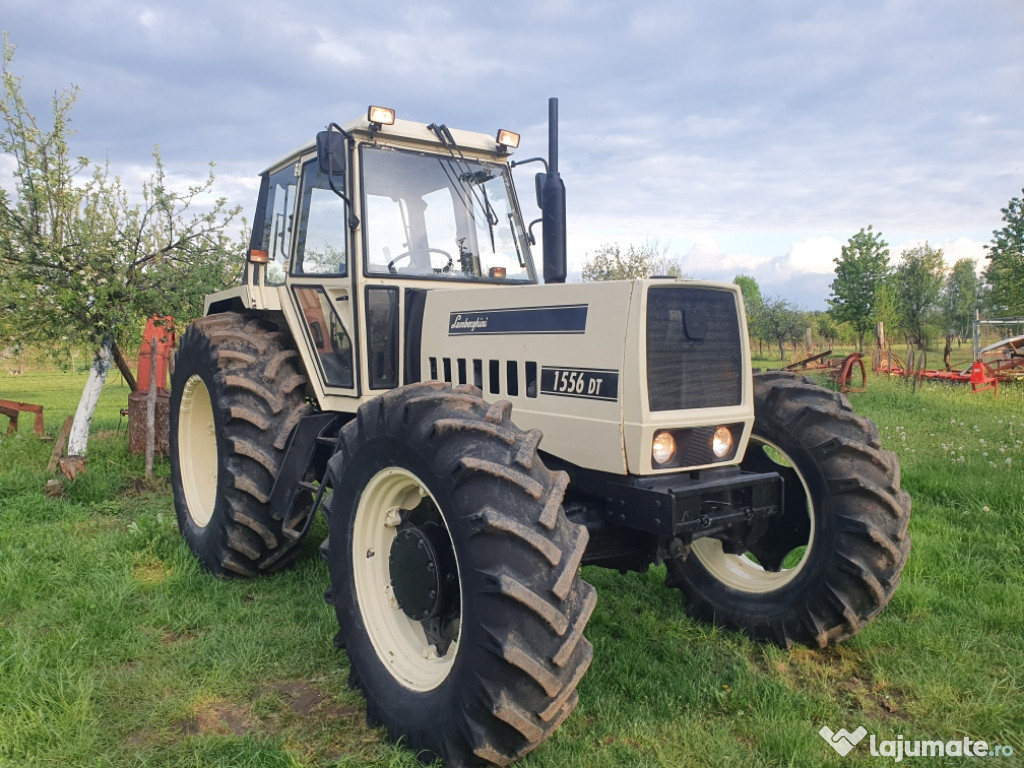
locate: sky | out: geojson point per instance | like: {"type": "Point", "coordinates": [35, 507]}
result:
{"type": "Point", "coordinates": [741, 138]}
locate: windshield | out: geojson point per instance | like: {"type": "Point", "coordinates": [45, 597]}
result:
{"type": "Point", "coordinates": [441, 217]}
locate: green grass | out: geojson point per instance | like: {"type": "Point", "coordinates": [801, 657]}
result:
{"type": "Point", "coordinates": [117, 650]}
{"type": "Point", "coordinates": [58, 393]}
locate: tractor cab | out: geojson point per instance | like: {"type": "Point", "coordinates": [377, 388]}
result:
{"type": "Point", "coordinates": [410, 200]}
{"type": "Point", "coordinates": [353, 228]}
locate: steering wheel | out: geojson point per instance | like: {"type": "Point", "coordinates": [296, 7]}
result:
{"type": "Point", "coordinates": [409, 254]}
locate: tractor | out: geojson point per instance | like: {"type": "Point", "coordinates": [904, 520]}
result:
{"type": "Point", "coordinates": [393, 359]}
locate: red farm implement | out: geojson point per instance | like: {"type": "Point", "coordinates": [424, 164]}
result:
{"type": "Point", "coordinates": [11, 410]}
{"type": "Point", "coordinates": [999, 362]}
{"type": "Point", "coordinates": [848, 372]}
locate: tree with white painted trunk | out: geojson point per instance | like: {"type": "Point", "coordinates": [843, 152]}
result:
{"type": "Point", "coordinates": [82, 261]}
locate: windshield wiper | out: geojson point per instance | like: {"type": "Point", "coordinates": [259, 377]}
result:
{"type": "Point", "coordinates": [478, 179]}
{"type": "Point", "coordinates": [467, 178]}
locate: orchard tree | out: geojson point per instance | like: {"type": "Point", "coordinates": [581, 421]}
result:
{"type": "Point", "coordinates": [751, 304]}
{"type": "Point", "coordinates": [751, 292]}
{"type": "Point", "coordinates": [887, 308]}
{"type": "Point", "coordinates": [960, 298]}
{"type": "Point", "coordinates": [81, 263]}
{"type": "Point", "coordinates": [610, 262]}
{"type": "Point", "coordinates": [826, 327]}
{"type": "Point", "coordinates": [861, 268]}
{"type": "Point", "coordinates": [918, 281]}
{"type": "Point", "coordinates": [781, 322]}
{"type": "Point", "coordinates": [1005, 271]}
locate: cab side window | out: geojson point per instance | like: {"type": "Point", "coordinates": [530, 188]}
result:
{"type": "Point", "coordinates": [321, 234]}
{"type": "Point", "coordinates": [278, 222]}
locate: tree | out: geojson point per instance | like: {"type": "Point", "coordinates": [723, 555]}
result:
{"type": "Point", "coordinates": [826, 327]}
{"type": "Point", "coordinates": [887, 309]}
{"type": "Point", "coordinates": [780, 322]}
{"type": "Point", "coordinates": [751, 304]}
{"type": "Point", "coordinates": [960, 298]}
{"type": "Point", "coordinates": [1005, 271]}
{"type": "Point", "coordinates": [751, 292]}
{"type": "Point", "coordinates": [609, 262]}
{"type": "Point", "coordinates": [918, 280]}
{"type": "Point", "coordinates": [81, 263]}
{"type": "Point", "coordinates": [860, 269]}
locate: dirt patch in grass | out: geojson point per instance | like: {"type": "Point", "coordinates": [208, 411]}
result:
{"type": "Point", "coordinates": [218, 717]}
{"type": "Point", "coordinates": [846, 673]}
{"type": "Point", "coordinates": [150, 571]}
{"type": "Point", "coordinates": [306, 701]}
{"type": "Point", "coordinates": [96, 525]}
{"type": "Point", "coordinates": [302, 697]}
{"type": "Point", "coordinates": [214, 717]}
{"type": "Point", "coordinates": [609, 740]}
{"type": "Point", "coordinates": [293, 706]}
{"type": "Point", "coordinates": [142, 740]}
{"type": "Point", "coordinates": [168, 637]}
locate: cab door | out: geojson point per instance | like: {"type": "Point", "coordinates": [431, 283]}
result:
{"type": "Point", "coordinates": [320, 284]}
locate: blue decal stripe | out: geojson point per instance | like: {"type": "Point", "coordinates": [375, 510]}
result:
{"type": "Point", "coordinates": [570, 318]}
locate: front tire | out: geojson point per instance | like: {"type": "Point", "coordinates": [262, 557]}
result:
{"type": "Point", "coordinates": [237, 393]}
{"type": "Point", "coordinates": [833, 559]}
{"type": "Point", "coordinates": [455, 576]}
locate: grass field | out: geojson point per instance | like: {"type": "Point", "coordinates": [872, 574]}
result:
{"type": "Point", "coordinates": [116, 650]}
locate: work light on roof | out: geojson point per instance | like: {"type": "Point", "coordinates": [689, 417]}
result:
{"type": "Point", "coordinates": [381, 115]}
{"type": "Point", "coordinates": [507, 139]}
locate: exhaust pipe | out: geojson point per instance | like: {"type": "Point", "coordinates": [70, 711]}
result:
{"type": "Point", "coordinates": [553, 206]}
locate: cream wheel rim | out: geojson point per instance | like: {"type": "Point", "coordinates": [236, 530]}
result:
{"type": "Point", "coordinates": [740, 572]}
{"type": "Point", "coordinates": [400, 642]}
{"type": "Point", "coordinates": [197, 451]}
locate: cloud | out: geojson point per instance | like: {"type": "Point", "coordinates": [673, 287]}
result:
{"type": "Point", "coordinates": [707, 260]}
{"type": "Point", "coordinates": [952, 251]}
{"type": "Point", "coordinates": [965, 248]}
{"type": "Point", "coordinates": [331, 50]}
{"type": "Point", "coordinates": [815, 255]}
{"type": "Point", "coordinates": [753, 139]}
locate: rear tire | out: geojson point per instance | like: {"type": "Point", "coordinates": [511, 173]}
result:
{"type": "Point", "coordinates": [455, 576]}
{"type": "Point", "coordinates": [841, 543]}
{"type": "Point", "coordinates": [237, 393]}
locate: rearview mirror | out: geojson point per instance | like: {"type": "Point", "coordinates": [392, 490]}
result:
{"type": "Point", "coordinates": [330, 152]}
{"type": "Point", "coordinates": [538, 183]}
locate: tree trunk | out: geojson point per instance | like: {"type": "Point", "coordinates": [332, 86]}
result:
{"type": "Point", "coordinates": [90, 396]}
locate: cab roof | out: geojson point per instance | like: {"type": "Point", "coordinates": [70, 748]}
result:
{"type": "Point", "coordinates": [403, 131]}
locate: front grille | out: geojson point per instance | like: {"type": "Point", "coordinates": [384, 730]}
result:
{"type": "Point", "coordinates": [694, 354]}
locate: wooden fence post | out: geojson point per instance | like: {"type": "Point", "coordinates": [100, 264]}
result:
{"type": "Point", "coordinates": [151, 411]}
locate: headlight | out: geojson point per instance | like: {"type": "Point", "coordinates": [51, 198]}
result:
{"type": "Point", "coordinates": [663, 449]}
{"type": "Point", "coordinates": [721, 443]}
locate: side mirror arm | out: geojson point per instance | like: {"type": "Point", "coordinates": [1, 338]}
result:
{"type": "Point", "coordinates": [327, 153]}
